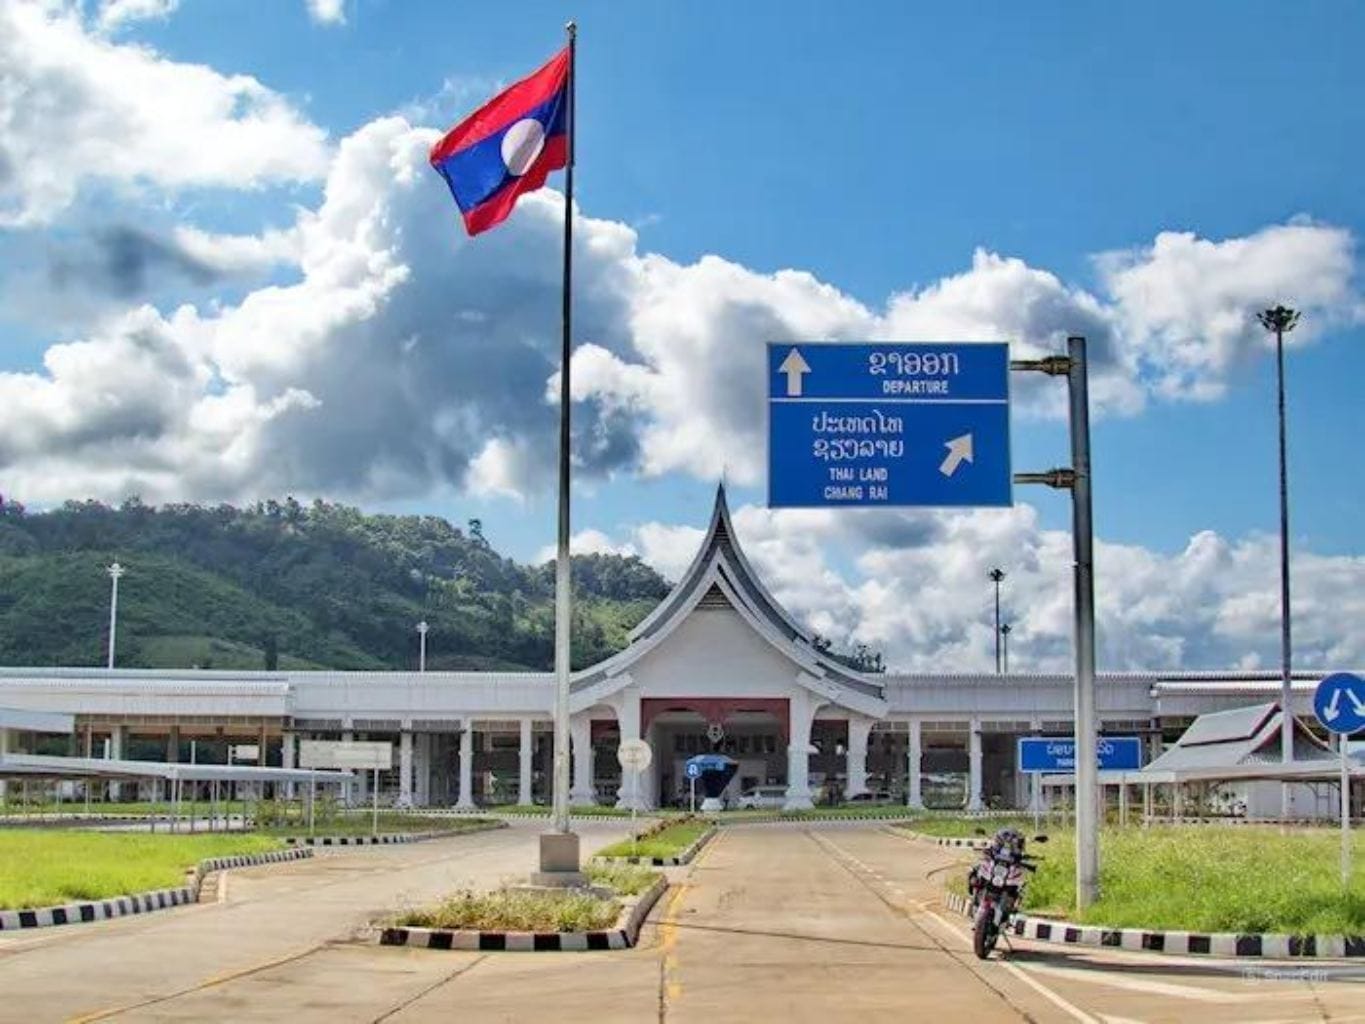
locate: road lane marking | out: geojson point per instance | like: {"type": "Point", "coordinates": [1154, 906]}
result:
{"type": "Point", "coordinates": [843, 858]}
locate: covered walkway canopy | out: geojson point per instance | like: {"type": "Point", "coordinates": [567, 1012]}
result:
{"type": "Point", "coordinates": [32, 766]}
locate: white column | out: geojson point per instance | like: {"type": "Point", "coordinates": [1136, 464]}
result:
{"type": "Point", "coordinates": [799, 749]}
{"type": "Point", "coordinates": [974, 802]}
{"type": "Point", "coordinates": [4, 749]}
{"type": "Point", "coordinates": [421, 767]}
{"type": "Point", "coordinates": [914, 760]}
{"type": "Point", "coordinates": [527, 750]}
{"type": "Point", "coordinates": [355, 792]}
{"type": "Point", "coordinates": [856, 768]}
{"type": "Point", "coordinates": [287, 760]}
{"type": "Point", "coordinates": [405, 768]}
{"type": "Point", "coordinates": [118, 749]}
{"type": "Point", "coordinates": [633, 792]}
{"type": "Point", "coordinates": [465, 800]}
{"type": "Point", "coordinates": [581, 792]}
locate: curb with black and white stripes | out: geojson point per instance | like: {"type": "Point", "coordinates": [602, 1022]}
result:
{"type": "Point", "coordinates": [391, 838]}
{"type": "Point", "coordinates": [623, 936]}
{"type": "Point", "coordinates": [142, 902]}
{"type": "Point", "coordinates": [684, 857]}
{"type": "Point", "coordinates": [1219, 944]}
{"type": "Point", "coordinates": [923, 837]}
{"type": "Point", "coordinates": [807, 819]}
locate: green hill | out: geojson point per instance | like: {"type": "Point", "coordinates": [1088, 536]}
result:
{"type": "Point", "coordinates": [293, 586]}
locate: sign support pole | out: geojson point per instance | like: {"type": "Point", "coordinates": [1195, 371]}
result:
{"type": "Point", "coordinates": [374, 806]}
{"type": "Point", "coordinates": [1077, 479]}
{"type": "Point", "coordinates": [1345, 812]}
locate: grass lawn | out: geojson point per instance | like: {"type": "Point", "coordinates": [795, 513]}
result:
{"type": "Point", "coordinates": [38, 869]}
{"type": "Point", "coordinates": [362, 825]}
{"type": "Point", "coordinates": [1245, 879]}
{"type": "Point", "coordinates": [76, 808]}
{"type": "Point", "coordinates": [585, 811]}
{"type": "Point", "coordinates": [668, 842]}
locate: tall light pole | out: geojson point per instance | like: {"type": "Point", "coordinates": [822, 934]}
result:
{"type": "Point", "coordinates": [422, 628]}
{"type": "Point", "coordinates": [115, 571]}
{"type": "Point", "coordinates": [1005, 629]}
{"type": "Point", "coordinates": [1281, 319]}
{"type": "Point", "coordinates": [996, 575]}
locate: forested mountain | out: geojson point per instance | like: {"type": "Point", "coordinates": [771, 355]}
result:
{"type": "Point", "coordinates": [280, 583]}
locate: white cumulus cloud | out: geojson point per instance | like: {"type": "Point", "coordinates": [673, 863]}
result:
{"type": "Point", "coordinates": [77, 109]}
{"type": "Point", "coordinates": [327, 12]}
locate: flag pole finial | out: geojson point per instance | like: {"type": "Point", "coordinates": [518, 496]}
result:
{"type": "Point", "coordinates": [571, 27]}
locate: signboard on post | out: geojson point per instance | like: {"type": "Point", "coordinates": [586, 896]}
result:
{"type": "Point", "coordinates": [371, 755]}
{"type": "Point", "coordinates": [1058, 756]}
{"type": "Point", "coordinates": [891, 424]}
{"type": "Point", "coordinates": [634, 756]}
{"type": "Point", "coordinates": [1339, 703]}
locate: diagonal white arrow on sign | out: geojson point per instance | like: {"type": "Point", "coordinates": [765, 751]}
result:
{"type": "Point", "coordinates": [959, 451]}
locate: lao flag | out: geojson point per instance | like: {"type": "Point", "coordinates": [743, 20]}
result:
{"type": "Point", "coordinates": [508, 146]}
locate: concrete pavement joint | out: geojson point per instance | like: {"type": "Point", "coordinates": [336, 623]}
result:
{"type": "Point", "coordinates": [209, 982]}
{"type": "Point", "coordinates": [456, 973]}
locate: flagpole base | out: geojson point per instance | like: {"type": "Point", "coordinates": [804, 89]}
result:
{"type": "Point", "coordinates": [559, 861]}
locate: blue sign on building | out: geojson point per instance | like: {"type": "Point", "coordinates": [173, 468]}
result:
{"type": "Point", "coordinates": [888, 424]}
{"type": "Point", "coordinates": [1058, 756]}
{"type": "Point", "coordinates": [1339, 703]}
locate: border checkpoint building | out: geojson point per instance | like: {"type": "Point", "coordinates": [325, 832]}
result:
{"type": "Point", "coordinates": [718, 664]}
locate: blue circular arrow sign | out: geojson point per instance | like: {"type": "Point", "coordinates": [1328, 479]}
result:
{"type": "Point", "coordinates": [1339, 703]}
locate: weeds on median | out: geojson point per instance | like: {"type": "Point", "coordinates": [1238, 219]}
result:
{"type": "Point", "coordinates": [518, 910]}
{"type": "Point", "coordinates": [668, 839]}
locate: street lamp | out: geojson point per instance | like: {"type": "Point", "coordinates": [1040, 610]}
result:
{"type": "Point", "coordinates": [422, 628]}
{"type": "Point", "coordinates": [1005, 629]}
{"type": "Point", "coordinates": [115, 571]}
{"type": "Point", "coordinates": [1281, 319]}
{"type": "Point", "coordinates": [996, 575]}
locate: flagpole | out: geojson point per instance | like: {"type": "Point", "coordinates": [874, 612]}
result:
{"type": "Point", "coordinates": [563, 622]}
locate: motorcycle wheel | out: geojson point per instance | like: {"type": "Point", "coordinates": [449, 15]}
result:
{"type": "Point", "coordinates": [985, 933]}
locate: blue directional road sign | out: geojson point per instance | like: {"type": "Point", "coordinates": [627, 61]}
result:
{"type": "Point", "coordinates": [888, 424]}
{"type": "Point", "coordinates": [1040, 754]}
{"type": "Point", "coordinates": [1339, 703]}
{"type": "Point", "coordinates": [692, 770]}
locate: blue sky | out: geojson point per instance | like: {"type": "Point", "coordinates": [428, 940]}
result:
{"type": "Point", "coordinates": [879, 150]}
{"type": "Point", "coordinates": [876, 146]}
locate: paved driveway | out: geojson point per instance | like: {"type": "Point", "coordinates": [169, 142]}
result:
{"type": "Point", "coordinates": [773, 923]}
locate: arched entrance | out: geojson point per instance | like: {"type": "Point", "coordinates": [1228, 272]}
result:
{"type": "Point", "coordinates": [752, 731]}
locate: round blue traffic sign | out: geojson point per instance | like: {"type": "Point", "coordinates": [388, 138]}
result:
{"type": "Point", "coordinates": [693, 771]}
{"type": "Point", "coordinates": [1339, 703]}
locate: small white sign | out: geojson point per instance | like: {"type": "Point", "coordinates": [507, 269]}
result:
{"type": "Point", "coordinates": [634, 755]}
{"type": "Point", "coordinates": [333, 754]}
{"type": "Point", "coordinates": [246, 752]}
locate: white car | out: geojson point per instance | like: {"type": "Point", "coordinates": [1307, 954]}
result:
{"type": "Point", "coordinates": [762, 797]}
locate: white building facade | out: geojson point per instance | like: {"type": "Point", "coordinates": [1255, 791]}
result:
{"type": "Point", "coordinates": [718, 665]}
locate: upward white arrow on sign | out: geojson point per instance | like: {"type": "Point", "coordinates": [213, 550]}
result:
{"type": "Point", "coordinates": [794, 366]}
{"type": "Point", "coordinates": [959, 451]}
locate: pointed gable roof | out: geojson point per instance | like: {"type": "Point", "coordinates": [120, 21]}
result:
{"type": "Point", "coordinates": [720, 543]}
{"type": "Point", "coordinates": [720, 576]}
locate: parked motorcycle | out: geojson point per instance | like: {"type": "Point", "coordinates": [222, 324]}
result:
{"type": "Point", "coordinates": [996, 886]}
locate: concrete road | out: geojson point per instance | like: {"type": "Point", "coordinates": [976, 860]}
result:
{"type": "Point", "coordinates": [824, 923]}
